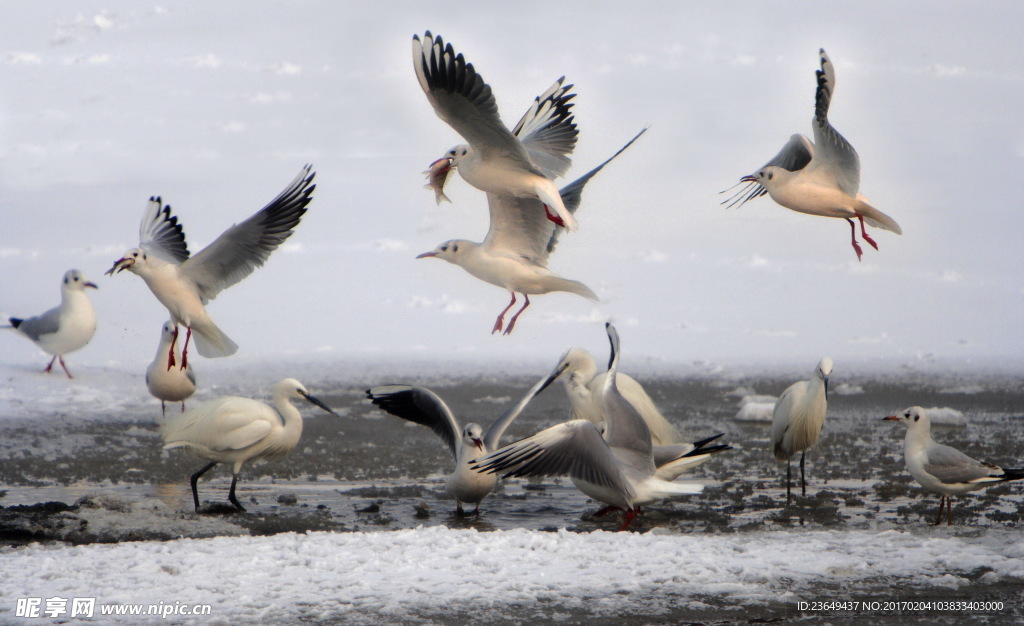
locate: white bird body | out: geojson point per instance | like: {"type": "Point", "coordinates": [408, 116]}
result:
{"type": "Point", "coordinates": [234, 430]}
{"type": "Point", "coordinates": [616, 468]}
{"type": "Point", "coordinates": [820, 178]}
{"type": "Point", "coordinates": [184, 284]}
{"type": "Point", "coordinates": [944, 469]}
{"type": "Point", "coordinates": [520, 163]}
{"type": "Point", "coordinates": [422, 406]}
{"type": "Point", "coordinates": [798, 417]}
{"type": "Point", "coordinates": [169, 385]}
{"type": "Point", "coordinates": [514, 255]}
{"type": "Point", "coordinates": [65, 328]}
{"type": "Point", "coordinates": [584, 387]}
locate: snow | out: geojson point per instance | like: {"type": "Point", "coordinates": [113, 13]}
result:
{"type": "Point", "coordinates": [369, 576]}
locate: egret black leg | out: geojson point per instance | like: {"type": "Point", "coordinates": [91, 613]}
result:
{"type": "Point", "coordinates": [803, 481]}
{"type": "Point", "coordinates": [789, 477]}
{"type": "Point", "coordinates": [231, 494]}
{"type": "Point", "coordinates": [195, 479]}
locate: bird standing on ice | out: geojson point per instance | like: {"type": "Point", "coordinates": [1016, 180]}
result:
{"type": "Point", "coordinates": [422, 406]}
{"type": "Point", "coordinates": [514, 255]}
{"type": "Point", "coordinates": [169, 384]}
{"type": "Point", "coordinates": [943, 469]}
{"type": "Point", "coordinates": [820, 178]}
{"type": "Point", "coordinates": [185, 285]}
{"type": "Point", "coordinates": [235, 430]}
{"type": "Point", "coordinates": [798, 418]}
{"type": "Point", "coordinates": [64, 328]}
{"type": "Point", "coordinates": [521, 162]}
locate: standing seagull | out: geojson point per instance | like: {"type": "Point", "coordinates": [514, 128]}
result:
{"type": "Point", "coordinates": [65, 328]}
{"type": "Point", "coordinates": [514, 255]}
{"type": "Point", "coordinates": [184, 285]}
{"type": "Point", "coordinates": [617, 469]}
{"type": "Point", "coordinates": [943, 469]}
{"type": "Point", "coordinates": [235, 430]}
{"type": "Point", "coordinates": [798, 418]}
{"type": "Point", "coordinates": [820, 178]}
{"type": "Point", "coordinates": [169, 384]}
{"type": "Point", "coordinates": [521, 162]}
{"type": "Point", "coordinates": [422, 406]}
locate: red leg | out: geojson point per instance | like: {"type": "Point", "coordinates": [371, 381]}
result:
{"type": "Point", "coordinates": [552, 217]}
{"type": "Point", "coordinates": [949, 510]}
{"type": "Point", "coordinates": [184, 350]}
{"type": "Point", "coordinates": [50, 366]}
{"type": "Point", "coordinates": [629, 517]}
{"type": "Point", "coordinates": [853, 238]}
{"type": "Point", "coordinates": [512, 322]}
{"type": "Point", "coordinates": [163, 409]}
{"type": "Point", "coordinates": [182, 406]}
{"type": "Point", "coordinates": [942, 501]}
{"type": "Point", "coordinates": [864, 234]}
{"type": "Point", "coordinates": [501, 316]}
{"type": "Point", "coordinates": [170, 353]}
{"type": "Point", "coordinates": [61, 359]}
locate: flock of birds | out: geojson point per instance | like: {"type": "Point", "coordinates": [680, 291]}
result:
{"type": "Point", "coordinates": [617, 448]}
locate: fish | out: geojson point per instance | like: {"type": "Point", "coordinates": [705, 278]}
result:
{"type": "Point", "coordinates": [437, 176]}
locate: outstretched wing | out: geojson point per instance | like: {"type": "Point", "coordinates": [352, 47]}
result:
{"type": "Point", "coordinates": [832, 152]}
{"type": "Point", "coordinates": [461, 98]}
{"type": "Point", "coordinates": [160, 233]}
{"type": "Point", "coordinates": [246, 246]}
{"type": "Point", "coordinates": [421, 406]}
{"type": "Point", "coordinates": [548, 131]}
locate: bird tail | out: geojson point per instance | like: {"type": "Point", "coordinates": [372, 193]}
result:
{"type": "Point", "coordinates": [15, 322]}
{"type": "Point", "coordinates": [572, 286]}
{"type": "Point", "coordinates": [701, 451]}
{"type": "Point", "coordinates": [1013, 474]}
{"type": "Point", "coordinates": [667, 489]}
{"type": "Point", "coordinates": [875, 217]}
{"type": "Point", "coordinates": [212, 342]}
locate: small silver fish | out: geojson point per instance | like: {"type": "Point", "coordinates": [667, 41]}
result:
{"type": "Point", "coordinates": [437, 176]}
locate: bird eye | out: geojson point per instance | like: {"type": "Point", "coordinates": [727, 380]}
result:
{"type": "Point", "coordinates": [455, 247]}
{"type": "Point", "coordinates": [463, 153]}
{"type": "Point", "coordinates": [917, 417]}
{"type": "Point", "coordinates": [770, 175]}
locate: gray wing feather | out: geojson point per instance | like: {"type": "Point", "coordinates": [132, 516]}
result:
{"type": "Point", "coordinates": [461, 98]}
{"type": "Point", "coordinates": [548, 131]}
{"type": "Point", "coordinates": [572, 194]}
{"type": "Point", "coordinates": [832, 151]}
{"type": "Point", "coordinates": [35, 327]}
{"type": "Point", "coordinates": [421, 406]}
{"type": "Point", "coordinates": [246, 246]}
{"type": "Point", "coordinates": [795, 155]}
{"type": "Point", "coordinates": [950, 465]}
{"type": "Point", "coordinates": [161, 234]}
{"type": "Point", "coordinates": [573, 449]}
{"type": "Point", "coordinates": [497, 429]}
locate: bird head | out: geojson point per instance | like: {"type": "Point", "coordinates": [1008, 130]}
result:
{"type": "Point", "coordinates": [128, 261]}
{"type": "Point", "coordinates": [75, 281]}
{"type": "Point", "coordinates": [913, 418]}
{"type": "Point", "coordinates": [457, 154]}
{"type": "Point", "coordinates": [449, 251]}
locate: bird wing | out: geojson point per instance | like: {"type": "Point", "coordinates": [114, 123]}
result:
{"type": "Point", "coordinates": [781, 413]}
{"type": "Point", "coordinates": [833, 153]}
{"type": "Point", "coordinates": [572, 194]}
{"type": "Point", "coordinates": [421, 406]}
{"type": "Point", "coordinates": [497, 429]}
{"type": "Point", "coordinates": [625, 430]}
{"type": "Point", "coordinates": [951, 466]}
{"type": "Point", "coordinates": [225, 423]}
{"type": "Point", "coordinates": [160, 233]}
{"type": "Point", "coordinates": [795, 155]}
{"type": "Point", "coordinates": [573, 448]}
{"type": "Point", "coordinates": [35, 327]}
{"type": "Point", "coordinates": [462, 99]}
{"type": "Point", "coordinates": [245, 246]}
{"type": "Point", "coordinates": [548, 131]}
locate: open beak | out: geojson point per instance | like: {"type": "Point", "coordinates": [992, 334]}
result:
{"type": "Point", "coordinates": [436, 168]}
{"type": "Point", "coordinates": [891, 418]}
{"type": "Point", "coordinates": [317, 402]}
{"type": "Point", "coordinates": [120, 265]}
{"type": "Point", "coordinates": [748, 179]}
{"type": "Point", "coordinates": [478, 443]}
{"type": "Point", "coordinates": [426, 255]}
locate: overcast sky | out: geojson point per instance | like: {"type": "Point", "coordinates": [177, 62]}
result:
{"type": "Point", "coordinates": [216, 106]}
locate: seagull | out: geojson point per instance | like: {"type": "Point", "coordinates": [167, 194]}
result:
{"type": "Point", "coordinates": [820, 178]}
{"type": "Point", "coordinates": [234, 430]}
{"type": "Point", "coordinates": [514, 254]}
{"type": "Point", "coordinates": [65, 328]}
{"type": "Point", "coordinates": [617, 469]}
{"type": "Point", "coordinates": [520, 163]}
{"type": "Point", "coordinates": [798, 418]}
{"type": "Point", "coordinates": [943, 469]}
{"type": "Point", "coordinates": [169, 384]}
{"type": "Point", "coordinates": [184, 285]}
{"type": "Point", "coordinates": [422, 406]}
